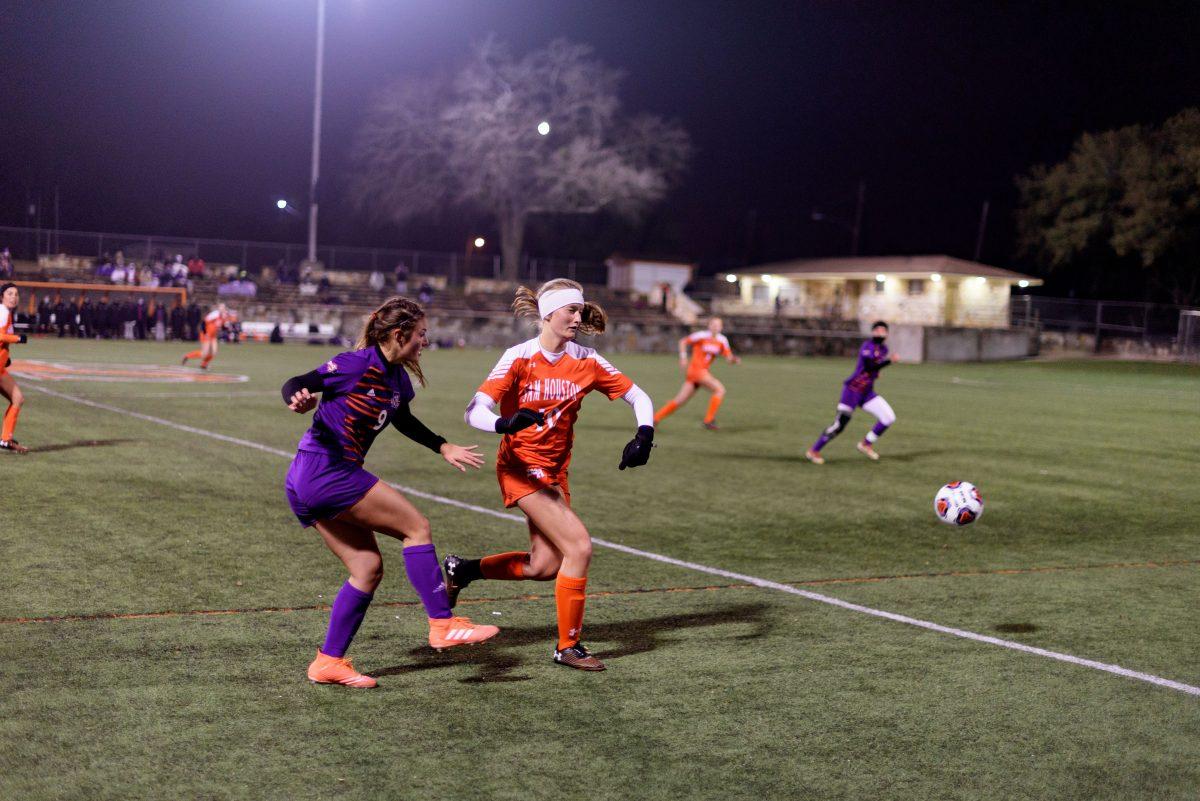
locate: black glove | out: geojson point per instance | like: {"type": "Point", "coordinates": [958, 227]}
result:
{"type": "Point", "coordinates": [23, 339]}
{"type": "Point", "coordinates": [637, 452]}
{"type": "Point", "coordinates": [524, 418]}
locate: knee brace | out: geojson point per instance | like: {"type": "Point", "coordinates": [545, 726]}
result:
{"type": "Point", "coordinates": [840, 423]}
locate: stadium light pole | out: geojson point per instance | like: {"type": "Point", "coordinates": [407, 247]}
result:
{"type": "Point", "coordinates": [316, 148]}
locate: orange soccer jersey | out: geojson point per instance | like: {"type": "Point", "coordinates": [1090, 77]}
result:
{"type": "Point", "coordinates": [706, 346]}
{"type": "Point", "coordinates": [214, 321]}
{"type": "Point", "coordinates": [7, 337]}
{"type": "Point", "coordinates": [525, 377]}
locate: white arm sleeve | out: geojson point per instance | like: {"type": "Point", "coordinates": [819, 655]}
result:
{"type": "Point", "coordinates": [643, 407]}
{"type": "Point", "coordinates": [479, 413]}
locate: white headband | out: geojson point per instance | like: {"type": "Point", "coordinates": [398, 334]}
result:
{"type": "Point", "coordinates": [555, 299]}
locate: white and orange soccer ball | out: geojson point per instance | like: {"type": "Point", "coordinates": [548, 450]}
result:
{"type": "Point", "coordinates": [958, 503]}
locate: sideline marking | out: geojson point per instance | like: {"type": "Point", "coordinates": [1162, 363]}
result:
{"type": "Point", "coordinates": [39, 370]}
{"type": "Point", "coordinates": [1116, 670]}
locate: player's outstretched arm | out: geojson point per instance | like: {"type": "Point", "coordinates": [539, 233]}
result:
{"type": "Point", "coordinates": [637, 451]}
{"type": "Point", "coordinates": [459, 457]}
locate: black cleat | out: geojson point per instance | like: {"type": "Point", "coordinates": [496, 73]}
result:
{"type": "Point", "coordinates": [13, 445]}
{"type": "Point", "coordinates": [456, 582]}
{"type": "Point", "coordinates": [578, 657]}
{"type": "Point", "coordinates": [711, 425]}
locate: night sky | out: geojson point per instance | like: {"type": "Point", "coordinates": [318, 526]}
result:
{"type": "Point", "coordinates": [190, 118]}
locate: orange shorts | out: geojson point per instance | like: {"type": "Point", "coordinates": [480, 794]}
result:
{"type": "Point", "coordinates": [516, 483]}
{"type": "Point", "coordinates": [695, 376]}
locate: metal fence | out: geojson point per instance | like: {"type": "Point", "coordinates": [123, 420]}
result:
{"type": "Point", "coordinates": [1151, 323]}
{"type": "Point", "coordinates": [30, 243]}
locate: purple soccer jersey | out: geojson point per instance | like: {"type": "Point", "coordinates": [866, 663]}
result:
{"type": "Point", "coordinates": [362, 393]}
{"type": "Point", "coordinates": [870, 356]}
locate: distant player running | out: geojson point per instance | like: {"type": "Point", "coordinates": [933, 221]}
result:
{"type": "Point", "coordinates": [210, 333]}
{"type": "Point", "coordinates": [361, 392]}
{"type": "Point", "coordinates": [706, 346]}
{"type": "Point", "coordinates": [540, 385]}
{"type": "Point", "coordinates": [859, 390]}
{"type": "Point", "coordinates": [10, 296]}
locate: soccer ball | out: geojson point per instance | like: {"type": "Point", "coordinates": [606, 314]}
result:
{"type": "Point", "coordinates": [958, 503]}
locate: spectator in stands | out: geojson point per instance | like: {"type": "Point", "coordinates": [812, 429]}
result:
{"type": "Point", "coordinates": [195, 267]}
{"type": "Point", "coordinates": [193, 321]}
{"type": "Point", "coordinates": [87, 318]}
{"type": "Point", "coordinates": [425, 294]}
{"type": "Point", "coordinates": [141, 318]}
{"type": "Point", "coordinates": [101, 319]}
{"type": "Point", "coordinates": [6, 265]}
{"type": "Point", "coordinates": [377, 281]}
{"type": "Point", "coordinates": [146, 277]}
{"type": "Point", "coordinates": [117, 274]}
{"type": "Point", "coordinates": [178, 321]}
{"type": "Point", "coordinates": [179, 271]}
{"type": "Point", "coordinates": [60, 316]}
{"type": "Point", "coordinates": [401, 273]}
{"type": "Point", "coordinates": [45, 314]}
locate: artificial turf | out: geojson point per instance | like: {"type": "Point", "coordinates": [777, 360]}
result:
{"type": "Point", "coordinates": [1089, 545]}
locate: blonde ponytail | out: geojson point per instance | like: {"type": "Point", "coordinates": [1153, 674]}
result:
{"type": "Point", "coordinates": [592, 319]}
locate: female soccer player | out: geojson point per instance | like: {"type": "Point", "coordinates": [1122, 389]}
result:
{"type": "Point", "coordinates": [706, 346]}
{"type": "Point", "coordinates": [214, 321]}
{"type": "Point", "coordinates": [10, 296]}
{"type": "Point", "coordinates": [540, 385]}
{"type": "Point", "coordinates": [859, 390]}
{"type": "Point", "coordinates": [361, 392]}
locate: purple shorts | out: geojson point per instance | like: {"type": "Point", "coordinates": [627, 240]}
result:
{"type": "Point", "coordinates": [854, 399]}
{"type": "Point", "coordinates": [320, 486]}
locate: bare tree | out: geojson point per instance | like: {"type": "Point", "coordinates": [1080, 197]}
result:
{"type": "Point", "coordinates": [474, 142]}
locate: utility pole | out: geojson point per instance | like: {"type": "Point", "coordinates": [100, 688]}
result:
{"type": "Point", "coordinates": [983, 215]}
{"type": "Point", "coordinates": [316, 148]}
{"type": "Point", "coordinates": [858, 213]}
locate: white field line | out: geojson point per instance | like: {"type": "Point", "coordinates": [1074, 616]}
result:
{"type": "Point", "coordinates": [712, 571]}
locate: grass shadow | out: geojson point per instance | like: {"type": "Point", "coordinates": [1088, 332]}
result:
{"type": "Point", "coordinates": [496, 661]}
{"type": "Point", "coordinates": [80, 443]}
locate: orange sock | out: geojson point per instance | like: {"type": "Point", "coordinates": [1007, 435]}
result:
{"type": "Point", "coordinates": [666, 410]}
{"type": "Point", "coordinates": [568, 601]}
{"type": "Point", "coordinates": [10, 422]}
{"type": "Point", "coordinates": [204, 362]}
{"type": "Point", "coordinates": [193, 355]}
{"type": "Point", "coordinates": [504, 566]}
{"type": "Point", "coordinates": [714, 403]}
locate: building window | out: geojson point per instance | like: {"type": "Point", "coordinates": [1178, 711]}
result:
{"type": "Point", "coordinates": [916, 286]}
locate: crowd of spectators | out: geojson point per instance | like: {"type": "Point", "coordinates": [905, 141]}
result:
{"type": "Point", "coordinates": [137, 318]}
{"type": "Point", "coordinates": [157, 272]}
{"type": "Point", "coordinates": [6, 264]}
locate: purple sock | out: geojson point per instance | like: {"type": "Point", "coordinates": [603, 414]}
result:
{"type": "Point", "coordinates": [820, 443]}
{"type": "Point", "coordinates": [349, 609]}
{"type": "Point", "coordinates": [875, 433]}
{"type": "Point", "coordinates": [425, 575]}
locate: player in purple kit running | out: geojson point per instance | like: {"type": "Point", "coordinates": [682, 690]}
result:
{"type": "Point", "coordinates": [859, 390]}
{"type": "Point", "coordinates": [361, 392]}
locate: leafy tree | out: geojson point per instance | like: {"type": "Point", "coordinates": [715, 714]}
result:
{"type": "Point", "coordinates": [1125, 197]}
{"type": "Point", "coordinates": [472, 141]}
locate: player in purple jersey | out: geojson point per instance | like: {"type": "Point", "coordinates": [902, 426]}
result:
{"type": "Point", "coordinates": [859, 390]}
{"type": "Point", "coordinates": [362, 391]}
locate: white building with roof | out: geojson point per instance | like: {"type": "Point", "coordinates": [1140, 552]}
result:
{"type": "Point", "coordinates": [913, 290]}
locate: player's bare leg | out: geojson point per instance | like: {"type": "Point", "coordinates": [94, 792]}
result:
{"type": "Point", "coordinates": [683, 396]}
{"type": "Point", "coordinates": [16, 399]}
{"type": "Point", "coordinates": [385, 510]}
{"type": "Point", "coordinates": [718, 395]}
{"type": "Point", "coordinates": [554, 518]}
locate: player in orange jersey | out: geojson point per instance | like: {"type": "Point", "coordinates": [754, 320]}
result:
{"type": "Point", "coordinates": [214, 321]}
{"type": "Point", "coordinates": [10, 296]}
{"type": "Point", "coordinates": [706, 346]}
{"type": "Point", "coordinates": [539, 386]}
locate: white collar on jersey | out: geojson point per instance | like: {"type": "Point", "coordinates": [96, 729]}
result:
{"type": "Point", "coordinates": [552, 357]}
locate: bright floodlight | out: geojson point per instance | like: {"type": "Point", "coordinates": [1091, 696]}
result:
{"type": "Point", "coordinates": [1022, 283]}
{"type": "Point", "coordinates": [543, 128]}
{"type": "Point", "coordinates": [479, 242]}
{"type": "Point", "coordinates": [880, 278]}
{"type": "Point", "coordinates": [981, 279]}
{"type": "Point", "coordinates": [765, 277]}
{"type": "Point", "coordinates": [731, 278]}
{"type": "Point", "coordinates": [935, 277]}
{"type": "Point", "coordinates": [281, 204]}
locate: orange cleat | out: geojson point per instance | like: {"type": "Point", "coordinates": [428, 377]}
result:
{"type": "Point", "coordinates": [814, 457]}
{"type": "Point", "coordinates": [327, 669]}
{"type": "Point", "coordinates": [447, 632]}
{"type": "Point", "coordinates": [866, 450]}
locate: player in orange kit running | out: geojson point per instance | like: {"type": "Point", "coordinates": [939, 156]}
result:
{"type": "Point", "coordinates": [540, 385]}
{"type": "Point", "coordinates": [706, 346]}
{"type": "Point", "coordinates": [10, 296]}
{"type": "Point", "coordinates": [214, 321]}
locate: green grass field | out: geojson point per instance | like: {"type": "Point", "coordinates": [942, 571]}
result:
{"type": "Point", "coordinates": [160, 603]}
